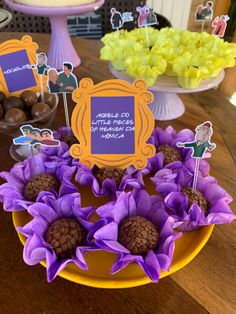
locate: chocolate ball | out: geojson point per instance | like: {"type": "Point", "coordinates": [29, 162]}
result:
{"type": "Point", "coordinates": [65, 235]}
{"type": "Point", "coordinates": [29, 98]}
{"type": "Point", "coordinates": [13, 102]}
{"type": "Point", "coordinates": [2, 97]}
{"type": "Point", "coordinates": [15, 116]}
{"type": "Point", "coordinates": [170, 153]}
{"type": "Point", "coordinates": [139, 235]}
{"type": "Point", "coordinates": [40, 110]}
{"type": "Point", "coordinates": [2, 111]}
{"type": "Point", "coordinates": [8, 128]}
{"type": "Point", "coordinates": [49, 99]}
{"type": "Point", "coordinates": [39, 183]}
{"type": "Point", "coordinates": [195, 197]}
{"type": "Point", "coordinates": [108, 173]}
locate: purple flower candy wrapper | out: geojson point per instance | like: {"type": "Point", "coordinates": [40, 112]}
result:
{"type": "Point", "coordinates": [169, 183]}
{"type": "Point", "coordinates": [137, 203]}
{"type": "Point", "coordinates": [44, 214]}
{"type": "Point", "coordinates": [11, 192]}
{"type": "Point", "coordinates": [171, 137]}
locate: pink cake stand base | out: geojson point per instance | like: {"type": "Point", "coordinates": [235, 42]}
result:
{"type": "Point", "coordinates": [167, 105]}
{"type": "Point", "coordinates": [61, 47]}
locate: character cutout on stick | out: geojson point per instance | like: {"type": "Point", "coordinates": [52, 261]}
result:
{"type": "Point", "coordinates": [201, 144]}
{"type": "Point", "coordinates": [33, 136]}
{"type": "Point", "coordinates": [205, 13]}
{"type": "Point", "coordinates": [64, 82]}
{"type": "Point", "coordinates": [41, 65]}
{"type": "Point", "coordinates": [147, 16]}
{"type": "Point", "coordinates": [42, 69]}
{"type": "Point", "coordinates": [118, 19]}
{"type": "Point", "coordinates": [220, 25]}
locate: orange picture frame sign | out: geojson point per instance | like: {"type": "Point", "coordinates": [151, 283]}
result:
{"type": "Point", "coordinates": [143, 123]}
{"type": "Point", "coordinates": [9, 49]}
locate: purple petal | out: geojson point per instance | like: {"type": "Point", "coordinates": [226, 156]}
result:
{"type": "Point", "coordinates": [143, 202]}
{"type": "Point", "coordinates": [152, 267]}
{"type": "Point", "coordinates": [164, 261]}
{"type": "Point", "coordinates": [177, 203]}
{"type": "Point", "coordinates": [80, 260]}
{"type": "Point", "coordinates": [167, 187]}
{"type": "Point", "coordinates": [111, 246]}
{"type": "Point", "coordinates": [118, 265]}
{"type": "Point", "coordinates": [34, 250]}
{"type": "Point", "coordinates": [38, 225]}
{"type": "Point", "coordinates": [156, 162]}
{"type": "Point", "coordinates": [55, 267]}
{"type": "Point", "coordinates": [214, 193]}
{"type": "Point", "coordinates": [164, 175]}
{"type": "Point", "coordinates": [108, 232]}
{"type": "Point", "coordinates": [43, 210]}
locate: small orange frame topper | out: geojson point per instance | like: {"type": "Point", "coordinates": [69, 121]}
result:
{"type": "Point", "coordinates": [17, 66]}
{"type": "Point", "coordinates": [112, 123]}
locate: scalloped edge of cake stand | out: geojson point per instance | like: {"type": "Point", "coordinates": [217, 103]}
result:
{"type": "Point", "coordinates": [167, 105]}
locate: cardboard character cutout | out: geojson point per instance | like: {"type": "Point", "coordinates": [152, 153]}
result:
{"type": "Point", "coordinates": [33, 136]}
{"type": "Point", "coordinates": [205, 13]}
{"type": "Point", "coordinates": [62, 82]}
{"type": "Point", "coordinates": [118, 19]}
{"type": "Point", "coordinates": [41, 65]}
{"type": "Point", "coordinates": [147, 16]}
{"type": "Point", "coordinates": [201, 144]}
{"type": "Point", "coordinates": [220, 25]}
{"type": "Point", "coordinates": [202, 141]}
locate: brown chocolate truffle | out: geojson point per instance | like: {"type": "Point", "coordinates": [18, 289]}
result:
{"type": "Point", "coordinates": [49, 99]}
{"type": "Point", "coordinates": [65, 235]}
{"type": "Point", "coordinates": [40, 110]}
{"type": "Point", "coordinates": [108, 173]}
{"type": "Point", "coordinates": [39, 183]}
{"type": "Point", "coordinates": [139, 235]}
{"type": "Point", "coordinates": [195, 197]}
{"type": "Point", "coordinates": [170, 153]}
{"type": "Point", "coordinates": [29, 98]}
{"type": "Point", "coordinates": [15, 116]}
{"type": "Point", "coordinates": [13, 102]}
{"type": "Point", "coordinates": [2, 97]}
{"type": "Point", "coordinates": [2, 111]}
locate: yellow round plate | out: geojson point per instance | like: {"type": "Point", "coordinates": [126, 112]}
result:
{"type": "Point", "coordinates": [100, 262]}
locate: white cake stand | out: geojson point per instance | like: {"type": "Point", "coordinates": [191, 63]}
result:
{"type": "Point", "coordinates": [61, 47]}
{"type": "Point", "coordinates": [167, 105]}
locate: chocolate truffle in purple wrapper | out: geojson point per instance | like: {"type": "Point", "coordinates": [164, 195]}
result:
{"type": "Point", "coordinates": [58, 234]}
{"type": "Point", "coordinates": [165, 142]}
{"type": "Point", "coordinates": [29, 180]}
{"type": "Point", "coordinates": [139, 230]}
{"type": "Point", "coordinates": [108, 181]}
{"type": "Point", "coordinates": [191, 209]}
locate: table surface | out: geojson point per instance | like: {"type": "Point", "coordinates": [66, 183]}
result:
{"type": "Point", "coordinates": [207, 284]}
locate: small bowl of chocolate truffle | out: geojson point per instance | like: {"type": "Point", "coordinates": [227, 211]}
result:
{"type": "Point", "coordinates": [27, 108]}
